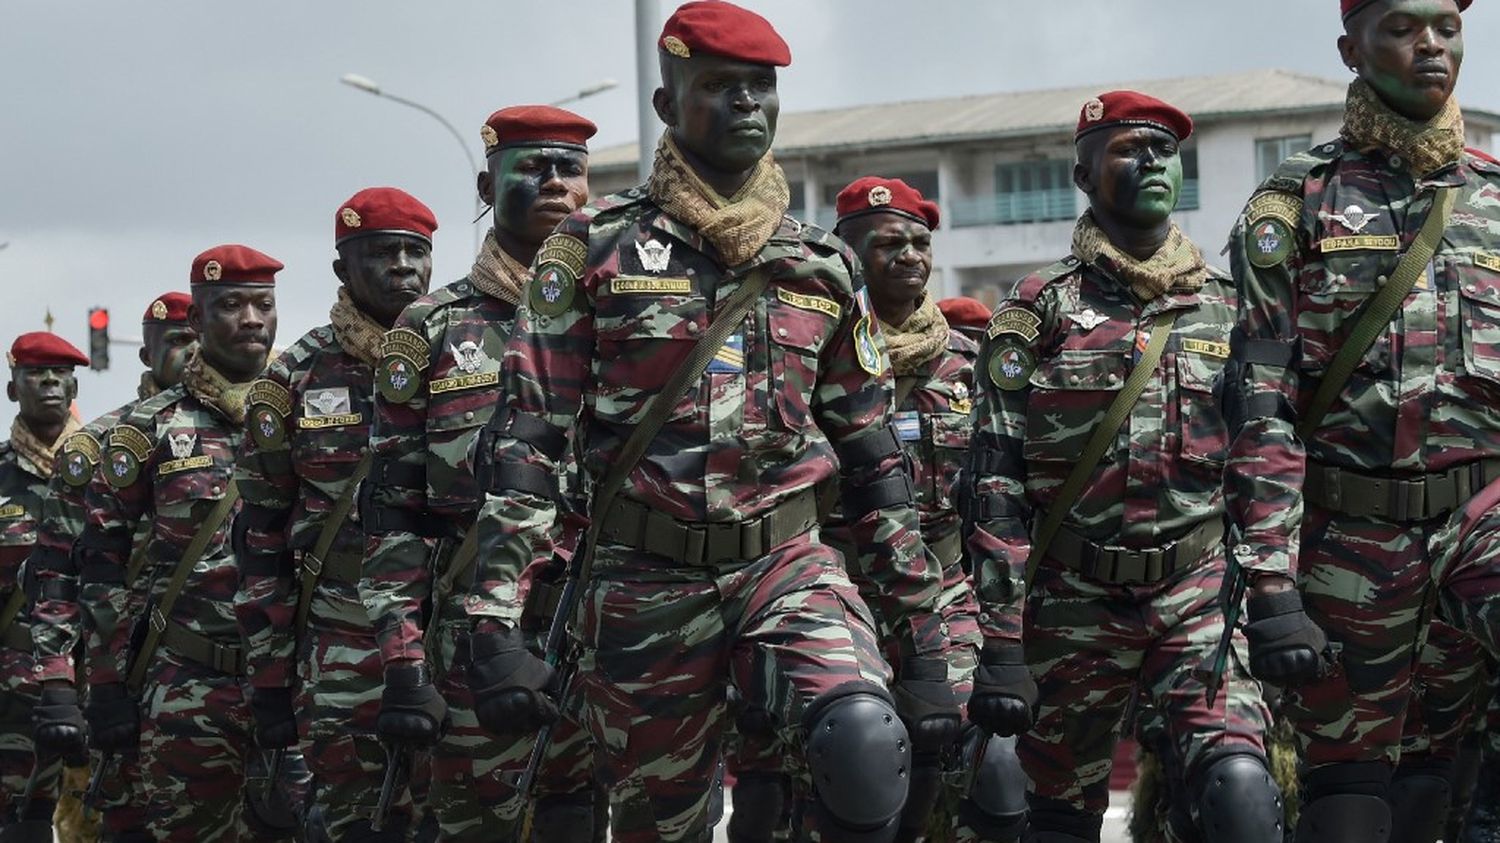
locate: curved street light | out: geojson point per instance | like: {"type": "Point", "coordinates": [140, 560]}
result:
{"type": "Point", "coordinates": [584, 93]}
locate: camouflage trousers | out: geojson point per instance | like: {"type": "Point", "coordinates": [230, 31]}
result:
{"type": "Point", "coordinates": [122, 794]}
{"type": "Point", "coordinates": [1093, 646]}
{"type": "Point", "coordinates": [17, 752]}
{"type": "Point", "coordinates": [1447, 693]}
{"type": "Point", "coordinates": [663, 644]}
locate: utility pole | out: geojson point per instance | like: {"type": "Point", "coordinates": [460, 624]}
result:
{"type": "Point", "coordinates": [647, 27]}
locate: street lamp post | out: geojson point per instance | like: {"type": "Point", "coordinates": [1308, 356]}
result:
{"type": "Point", "coordinates": [584, 93]}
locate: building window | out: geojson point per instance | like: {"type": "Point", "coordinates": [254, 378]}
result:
{"type": "Point", "coordinates": [1030, 191]}
{"type": "Point", "coordinates": [797, 209]}
{"type": "Point", "coordinates": [1270, 152]}
{"type": "Point", "coordinates": [1188, 199]}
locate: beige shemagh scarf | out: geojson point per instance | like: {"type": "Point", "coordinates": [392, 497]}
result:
{"type": "Point", "coordinates": [357, 333]}
{"type": "Point", "coordinates": [738, 226]}
{"type": "Point", "coordinates": [1427, 147]}
{"type": "Point", "coordinates": [918, 340]}
{"type": "Point", "coordinates": [147, 387]}
{"type": "Point", "coordinates": [1178, 264]}
{"type": "Point", "coordinates": [205, 383]}
{"type": "Point", "coordinates": [37, 452]}
{"type": "Point", "coordinates": [496, 273]}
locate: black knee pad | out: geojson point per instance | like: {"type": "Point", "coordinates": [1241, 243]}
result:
{"type": "Point", "coordinates": [995, 806]}
{"type": "Point", "coordinates": [1054, 821]}
{"type": "Point", "coordinates": [1420, 798]}
{"type": "Point", "coordinates": [860, 758]}
{"type": "Point", "coordinates": [760, 803]}
{"type": "Point", "coordinates": [1345, 803]}
{"type": "Point", "coordinates": [1238, 801]}
{"type": "Point", "coordinates": [564, 818]}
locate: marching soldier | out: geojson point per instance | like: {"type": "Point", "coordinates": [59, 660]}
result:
{"type": "Point", "coordinates": [701, 568]}
{"type": "Point", "coordinates": [175, 686]}
{"type": "Point", "coordinates": [43, 387]}
{"type": "Point", "coordinates": [299, 551]}
{"type": "Point", "coordinates": [1096, 457]}
{"type": "Point", "coordinates": [437, 383]}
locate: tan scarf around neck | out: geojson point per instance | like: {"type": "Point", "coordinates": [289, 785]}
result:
{"type": "Point", "coordinates": [37, 452]}
{"type": "Point", "coordinates": [147, 387]}
{"type": "Point", "coordinates": [738, 226]}
{"type": "Point", "coordinates": [357, 333]}
{"type": "Point", "coordinates": [1178, 264]}
{"type": "Point", "coordinates": [496, 273]}
{"type": "Point", "coordinates": [918, 340]}
{"type": "Point", "coordinates": [1427, 147]}
{"type": "Point", "coordinates": [205, 383]}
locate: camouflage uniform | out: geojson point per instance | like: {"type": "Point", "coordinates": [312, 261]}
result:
{"type": "Point", "coordinates": [759, 602]}
{"type": "Point", "coordinates": [1101, 620]}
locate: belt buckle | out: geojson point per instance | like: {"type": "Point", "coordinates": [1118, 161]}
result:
{"type": "Point", "coordinates": [694, 544]}
{"type": "Point", "coordinates": [312, 564]}
{"type": "Point", "coordinates": [157, 621]}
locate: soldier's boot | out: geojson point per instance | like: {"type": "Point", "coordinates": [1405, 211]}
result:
{"type": "Point", "coordinates": [1465, 771]}
{"type": "Point", "coordinates": [1482, 822]}
{"type": "Point", "coordinates": [1238, 801]}
{"type": "Point", "coordinates": [995, 806]}
{"type": "Point", "coordinates": [564, 818]}
{"type": "Point", "coordinates": [1053, 821]}
{"type": "Point", "coordinates": [922, 794]}
{"type": "Point", "coordinates": [1420, 798]}
{"type": "Point", "coordinates": [1346, 803]}
{"type": "Point", "coordinates": [760, 802]}
{"type": "Point", "coordinates": [858, 757]}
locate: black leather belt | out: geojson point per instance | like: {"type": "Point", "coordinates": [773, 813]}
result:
{"type": "Point", "coordinates": [709, 542]}
{"type": "Point", "coordinates": [1416, 497]}
{"type": "Point", "coordinates": [190, 645]}
{"type": "Point", "coordinates": [1121, 565]}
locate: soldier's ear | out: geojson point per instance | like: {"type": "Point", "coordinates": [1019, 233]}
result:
{"type": "Point", "coordinates": [145, 358]}
{"type": "Point", "coordinates": [666, 110]}
{"type": "Point", "coordinates": [1349, 52]}
{"type": "Point", "coordinates": [195, 317]}
{"type": "Point", "coordinates": [10, 391]}
{"type": "Point", "coordinates": [1083, 179]}
{"type": "Point", "coordinates": [485, 185]}
{"type": "Point", "coordinates": [340, 271]}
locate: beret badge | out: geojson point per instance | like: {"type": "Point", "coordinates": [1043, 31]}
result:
{"type": "Point", "coordinates": [158, 309]}
{"type": "Point", "coordinates": [1093, 110]}
{"type": "Point", "coordinates": [350, 217]}
{"type": "Point", "coordinates": [212, 271]}
{"type": "Point", "coordinates": [487, 134]}
{"type": "Point", "coordinates": [879, 195]}
{"type": "Point", "coordinates": [676, 47]}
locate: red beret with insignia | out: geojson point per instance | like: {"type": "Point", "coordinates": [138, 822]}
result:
{"type": "Point", "coordinates": [873, 194]}
{"type": "Point", "coordinates": [383, 210]}
{"type": "Point", "coordinates": [167, 307]}
{"type": "Point", "coordinates": [1132, 108]}
{"type": "Point", "coordinates": [964, 312]}
{"type": "Point", "coordinates": [723, 29]}
{"type": "Point", "coordinates": [536, 125]}
{"type": "Point", "coordinates": [43, 348]}
{"type": "Point", "coordinates": [1349, 7]}
{"type": "Point", "coordinates": [234, 264]}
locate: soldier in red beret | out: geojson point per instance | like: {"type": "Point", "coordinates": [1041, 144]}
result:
{"type": "Point", "coordinates": [437, 383]}
{"type": "Point", "coordinates": [174, 689]}
{"type": "Point", "coordinates": [703, 566]}
{"type": "Point", "coordinates": [968, 316]}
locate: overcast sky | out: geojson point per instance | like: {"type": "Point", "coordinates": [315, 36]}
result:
{"type": "Point", "coordinates": [137, 134]}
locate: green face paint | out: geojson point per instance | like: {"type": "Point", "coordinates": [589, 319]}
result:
{"type": "Point", "coordinates": [1410, 51]}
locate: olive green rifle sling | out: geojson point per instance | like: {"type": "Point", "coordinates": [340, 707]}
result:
{"type": "Point", "coordinates": [461, 562]}
{"type": "Point", "coordinates": [1382, 308]}
{"type": "Point", "coordinates": [1100, 440]}
{"type": "Point", "coordinates": [157, 614]}
{"type": "Point", "coordinates": [315, 561]}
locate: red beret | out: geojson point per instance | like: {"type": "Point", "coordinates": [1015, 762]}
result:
{"type": "Point", "coordinates": [380, 210]}
{"type": "Point", "coordinates": [234, 264]}
{"type": "Point", "coordinates": [964, 312]}
{"type": "Point", "coordinates": [1349, 7]}
{"type": "Point", "coordinates": [1132, 108]}
{"type": "Point", "coordinates": [43, 348]}
{"type": "Point", "coordinates": [723, 29]}
{"type": "Point", "coordinates": [536, 125]}
{"type": "Point", "coordinates": [168, 307]}
{"type": "Point", "coordinates": [873, 194]}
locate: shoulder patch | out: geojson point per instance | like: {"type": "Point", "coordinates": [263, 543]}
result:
{"type": "Point", "coordinates": [1274, 204]}
{"type": "Point", "coordinates": [268, 405]}
{"type": "Point", "coordinates": [1015, 319]}
{"type": "Point", "coordinates": [80, 455]}
{"type": "Point", "coordinates": [871, 356]}
{"type": "Point", "coordinates": [1011, 364]}
{"type": "Point", "coordinates": [559, 264]}
{"type": "Point", "coordinates": [129, 449]}
{"type": "Point", "coordinates": [403, 360]}
{"type": "Point", "coordinates": [270, 394]}
{"type": "Point", "coordinates": [1270, 220]}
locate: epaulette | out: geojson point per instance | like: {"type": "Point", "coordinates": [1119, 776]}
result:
{"type": "Point", "coordinates": [1293, 172]}
{"type": "Point", "coordinates": [1483, 162]}
{"type": "Point", "coordinates": [615, 201]}
{"type": "Point", "coordinates": [143, 414]}
{"type": "Point", "coordinates": [1031, 286]}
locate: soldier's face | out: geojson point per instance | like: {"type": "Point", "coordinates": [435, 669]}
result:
{"type": "Point", "coordinates": [1131, 173]}
{"type": "Point", "coordinates": [1409, 51]}
{"type": "Point", "coordinates": [236, 326]}
{"type": "Point", "coordinates": [533, 188]}
{"type": "Point", "coordinates": [721, 111]}
{"type": "Point", "coordinates": [44, 393]}
{"type": "Point", "coordinates": [896, 252]}
{"type": "Point", "coordinates": [166, 350]}
{"type": "Point", "coordinates": [384, 273]}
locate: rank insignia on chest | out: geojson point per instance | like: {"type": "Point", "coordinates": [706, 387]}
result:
{"type": "Point", "coordinates": [1088, 319]}
{"type": "Point", "coordinates": [871, 358]}
{"type": "Point", "coordinates": [654, 255]}
{"type": "Point", "coordinates": [1353, 218]}
{"type": "Point", "coordinates": [961, 402]}
{"type": "Point", "coordinates": [1011, 365]}
{"type": "Point", "coordinates": [403, 356]}
{"type": "Point", "coordinates": [182, 444]}
{"type": "Point", "coordinates": [330, 407]}
{"type": "Point", "coordinates": [467, 356]}
{"type": "Point", "coordinates": [730, 358]}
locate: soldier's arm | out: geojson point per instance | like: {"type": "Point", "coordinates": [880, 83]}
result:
{"type": "Point", "coordinates": [55, 614]}
{"type": "Point", "coordinates": [266, 601]}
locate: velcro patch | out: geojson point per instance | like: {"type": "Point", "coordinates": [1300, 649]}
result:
{"type": "Point", "coordinates": [637, 284]}
{"type": "Point", "coordinates": [1357, 242]}
{"type": "Point", "coordinates": [320, 422]}
{"type": "Point", "coordinates": [131, 439]}
{"type": "Point", "coordinates": [1207, 348]}
{"type": "Point", "coordinates": [270, 394]}
{"type": "Point", "coordinates": [184, 464]}
{"type": "Point", "coordinates": [464, 382]}
{"type": "Point", "coordinates": [566, 250]}
{"type": "Point", "coordinates": [84, 443]}
{"type": "Point", "coordinates": [1016, 320]}
{"type": "Point", "coordinates": [1273, 204]}
{"type": "Point", "coordinates": [1488, 261]}
{"type": "Point", "coordinates": [814, 303]}
{"type": "Point", "coordinates": [12, 510]}
{"type": "Point", "coordinates": [406, 343]}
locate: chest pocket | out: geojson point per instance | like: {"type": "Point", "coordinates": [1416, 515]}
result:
{"type": "Point", "coordinates": [1203, 434]}
{"type": "Point", "coordinates": [948, 435]}
{"type": "Point", "coordinates": [335, 435]}
{"type": "Point", "coordinates": [1069, 395]}
{"type": "Point", "coordinates": [463, 388]}
{"type": "Point", "coordinates": [642, 338]}
{"type": "Point", "coordinates": [1479, 314]}
{"type": "Point", "coordinates": [1333, 294]}
{"type": "Point", "coordinates": [797, 337]}
{"type": "Point", "coordinates": [17, 524]}
{"type": "Point", "coordinates": [186, 496]}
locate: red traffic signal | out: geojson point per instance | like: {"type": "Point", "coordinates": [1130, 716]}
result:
{"type": "Point", "coordinates": [98, 319]}
{"type": "Point", "coordinates": [98, 338]}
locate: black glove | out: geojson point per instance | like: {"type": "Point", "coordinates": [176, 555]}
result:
{"type": "Point", "coordinates": [926, 703]}
{"type": "Point", "coordinates": [510, 684]}
{"type": "Point", "coordinates": [1004, 692]}
{"type": "Point", "coordinates": [114, 718]}
{"type": "Point", "coordinates": [411, 709]}
{"type": "Point", "coordinates": [1286, 647]}
{"type": "Point", "coordinates": [275, 721]}
{"type": "Point", "coordinates": [58, 725]}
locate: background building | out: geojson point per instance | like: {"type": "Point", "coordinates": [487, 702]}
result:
{"type": "Point", "coordinates": [1000, 165]}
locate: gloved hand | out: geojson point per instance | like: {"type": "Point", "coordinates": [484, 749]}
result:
{"type": "Point", "coordinates": [58, 726]}
{"type": "Point", "coordinates": [510, 684]}
{"type": "Point", "coordinates": [926, 703]}
{"type": "Point", "coordinates": [275, 721]}
{"type": "Point", "coordinates": [1004, 695]}
{"type": "Point", "coordinates": [1286, 647]}
{"type": "Point", "coordinates": [411, 709]}
{"type": "Point", "coordinates": [114, 718]}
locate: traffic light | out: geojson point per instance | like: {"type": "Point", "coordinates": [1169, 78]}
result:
{"type": "Point", "coordinates": [98, 338]}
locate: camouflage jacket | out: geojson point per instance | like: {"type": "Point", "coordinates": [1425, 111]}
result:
{"type": "Point", "coordinates": [1055, 357]}
{"type": "Point", "coordinates": [436, 386]}
{"type": "Point", "coordinates": [169, 461]}
{"type": "Point", "coordinates": [22, 490]}
{"type": "Point", "coordinates": [307, 428]}
{"type": "Point", "coordinates": [622, 291]}
{"type": "Point", "coordinates": [1318, 238]}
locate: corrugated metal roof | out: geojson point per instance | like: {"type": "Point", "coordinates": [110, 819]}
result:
{"type": "Point", "coordinates": [1021, 113]}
